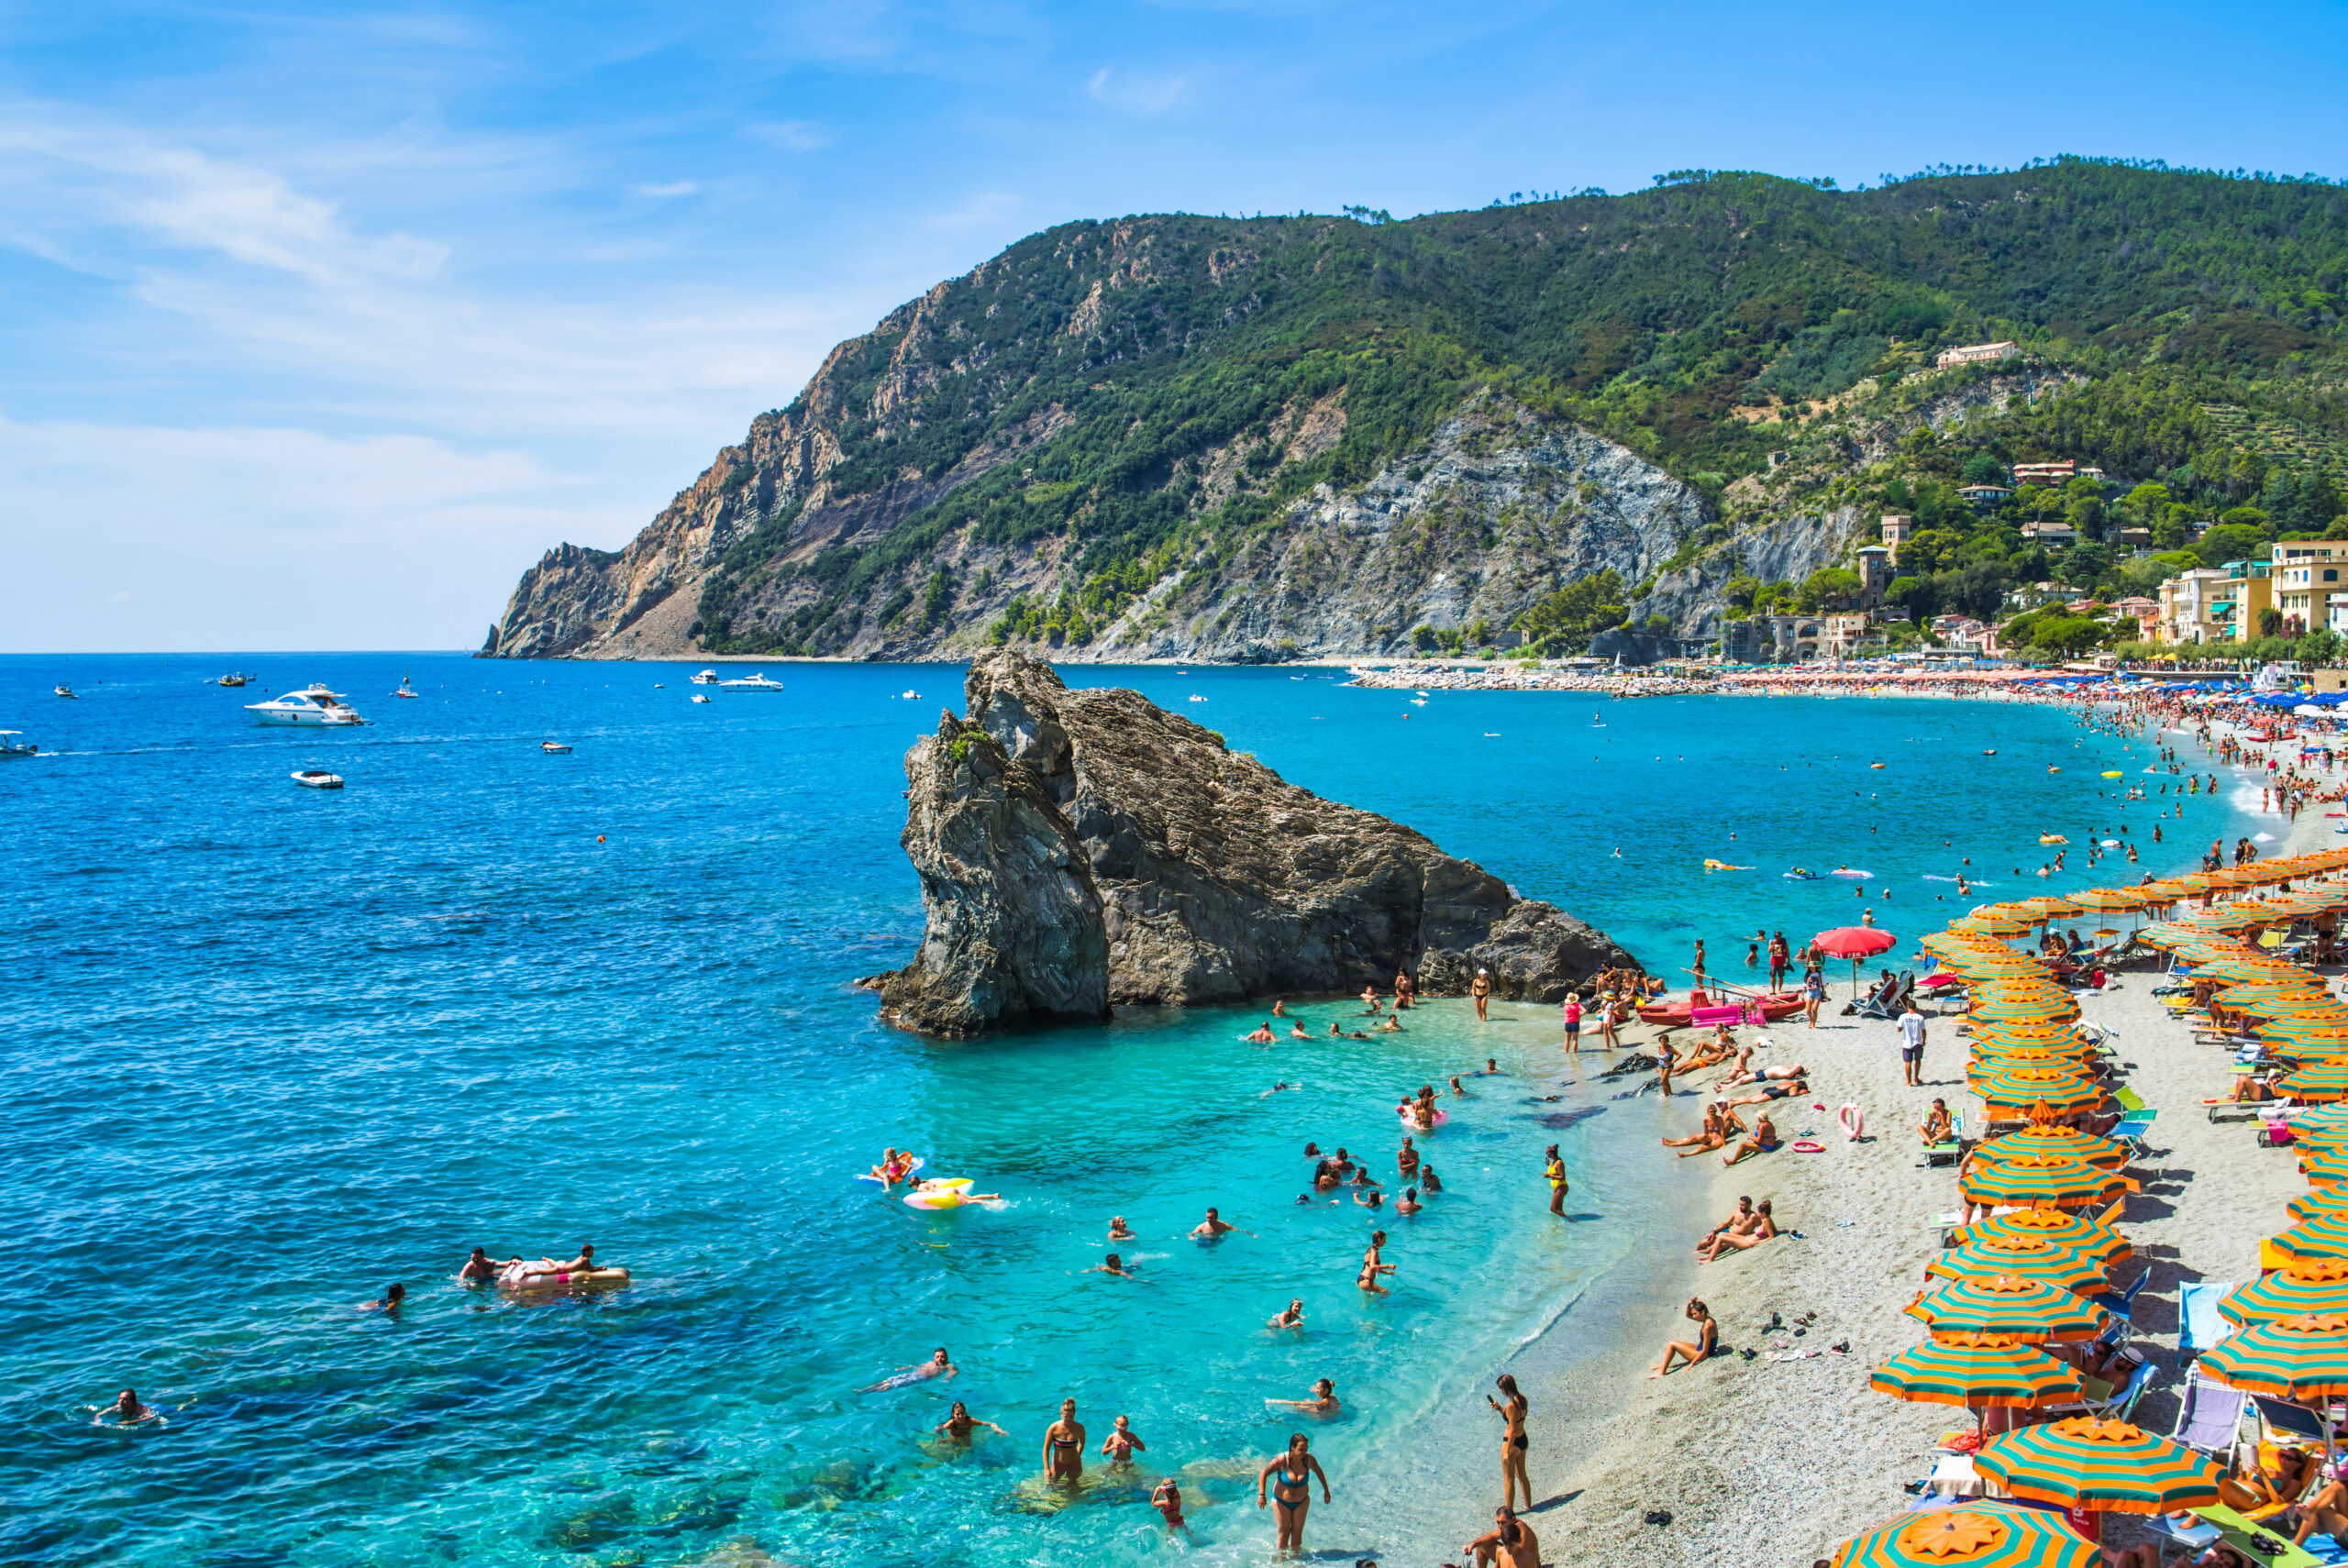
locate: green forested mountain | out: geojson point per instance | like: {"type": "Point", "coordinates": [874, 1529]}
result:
{"type": "Point", "coordinates": [1260, 437]}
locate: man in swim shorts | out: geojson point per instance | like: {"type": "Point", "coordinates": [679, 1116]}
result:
{"type": "Point", "coordinates": [1064, 1446]}
{"type": "Point", "coordinates": [937, 1365]}
{"type": "Point", "coordinates": [1912, 1043]}
{"type": "Point", "coordinates": [1510, 1543]}
{"type": "Point", "coordinates": [478, 1269]}
{"type": "Point", "coordinates": [1211, 1228]}
{"type": "Point", "coordinates": [1262, 1035]}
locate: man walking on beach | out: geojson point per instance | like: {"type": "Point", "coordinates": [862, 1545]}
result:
{"type": "Point", "coordinates": [1778, 954]}
{"type": "Point", "coordinates": [1911, 1043]}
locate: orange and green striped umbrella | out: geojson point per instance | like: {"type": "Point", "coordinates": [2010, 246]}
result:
{"type": "Point", "coordinates": [2027, 1309]}
{"type": "Point", "coordinates": [2050, 1072]}
{"type": "Point", "coordinates": [2324, 1164]}
{"type": "Point", "coordinates": [2319, 1201]}
{"type": "Point", "coordinates": [2323, 1235]}
{"type": "Point", "coordinates": [1979, 1535]}
{"type": "Point", "coordinates": [2317, 1080]}
{"type": "Point", "coordinates": [2309, 1287]}
{"type": "Point", "coordinates": [2104, 1465]}
{"type": "Point", "coordinates": [2052, 1181]}
{"type": "Point", "coordinates": [2002, 1088]}
{"type": "Point", "coordinates": [1986, 1257]}
{"type": "Point", "coordinates": [2294, 1358]}
{"type": "Point", "coordinates": [2111, 900]}
{"type": "Point", "coordinates": [1977, 1371]}
{"type": "Point", "coordinates": [2043, 1138]}
{"type": "Point", "coordinates": [2053, 1054]}
{"type": "Point", "coordinates": [2089, 1237]}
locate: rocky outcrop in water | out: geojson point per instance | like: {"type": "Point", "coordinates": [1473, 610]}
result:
{"type": "Point", "coordinates": [1079, 850]}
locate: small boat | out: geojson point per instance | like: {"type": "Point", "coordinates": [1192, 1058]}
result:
{"type": "Point", "coordinates": [556, 747]}
{"type": "Point", "coordinates": [700, 696]}
{"type": "Point", "coordinates": [406, 689]}
{"type": "Point", "coordinates": [313, 704]}
{"type": "Point", "coordinates": [69, 691]}
{"type": "Point", "coordinates": [1799, 875]}
{"type": "Point", "coordinates": [706, 677]}
{"type": "Point", "coordinates": [1723, 866]}
{"type": "Point", "coordinates": [317, 779]}
{"type": "Point", "coordinates": [910, 696]}
{"type": "Point", "coordinates": [1774, 1005]}
{"type": "Point", "coordinates": [1991, 752]}
{"type": "Point", "coordinates": [1851, 874]}
{"type": "Point", "coordinates": [11, 746]}
{"type": "Point", "coordinates": [1418, 702]}
{"type": "Point", "coordinates": [233, 678]}
{"type": "Point", "coordinates": [749, 683]}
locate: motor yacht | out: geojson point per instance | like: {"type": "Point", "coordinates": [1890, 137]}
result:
{"type": "Point", "coordinates": [557, 747]}
{"type": "Point", "coordinates": [317, 779]}
{"type": "Point", "coordinates": [706, 677]}
{"type": "Point", "coordinates": [234, 679]}
{"type": "Point", "coordinates": [12, 743]}
{"type": "Point", "coordinates": [69, 691]}
{"type": "Point", "coordinates": [312, 705]}
{"type": "Point", "coordinates": [750, 683]}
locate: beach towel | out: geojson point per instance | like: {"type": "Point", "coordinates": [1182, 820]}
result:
{"type": "Point", "coordinates": [2203, 1325]}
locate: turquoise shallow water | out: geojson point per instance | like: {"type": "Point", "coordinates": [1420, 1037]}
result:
{"type": "Point", "coordinates": [270, 1049]}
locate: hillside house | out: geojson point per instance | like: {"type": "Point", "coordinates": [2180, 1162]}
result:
{"type": "Point", "coordinates": [1975, 353]}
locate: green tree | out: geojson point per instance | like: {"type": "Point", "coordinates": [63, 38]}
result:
{"type": "Point", "coordinates": [1917, 595]}
{"type": "Point", "coordinates": [1829, 588]}
{"type": "Point", "coordinates": [1982, 469]}
{"type": "Point", "coordinates": [2083, 565]}
{"type": "Point", "coordinates": [2086, 513]}
{"type": "Point", "coordinates": [2270, 622]}
{"type": "Point", "coordinates": [1928, 550]}
{"type": "Point", "coordinates": [2147, 502]}
{"type": "Point", "coordinates": [2244, 517]}
{"type": "Point", "coordinates": [2174, 530]}
{"type": "Point", "coordinates": [2069, 635]}
{"type": "Point", "coordinates": [2228, 542]}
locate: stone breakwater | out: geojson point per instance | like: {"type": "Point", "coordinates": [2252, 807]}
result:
{"type": "Point", "coordinates": [1082, 850]}
{"type": "Point", "coordinates": [1445, 677]}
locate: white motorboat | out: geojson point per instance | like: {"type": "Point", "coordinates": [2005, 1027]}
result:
{"type": "Point", "coordinates": [317, 779]}
{"type": "Point", "coordinates": [700, 696]}
{"type": "Point", "coordinates": [234, 679]}
{"type": "Point", "coordinates": [555, 746]}
{"type": "Point", "coordinates": [405, 689]}
{"type": "Point", "coordinates": [313, 704]}
{"type": "Point", "coordinates": [913, 696]}
{"type": "Point", "coordinates": [69, 691]}
{"type": "Point", "coordinates": [750, 683]}
{"type": "Point", "coordinates": [706, 677]}
{"type": "Point", "coordinates": [12, 745]}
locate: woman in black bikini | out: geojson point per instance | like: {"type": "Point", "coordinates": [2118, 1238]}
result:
{"type": "Point", "coordinates": [1292, 1492]}
{"type": "Point", "coordinates": [1064, 1446]}
{"type": "Point", "coordinates": [1512, 1442]}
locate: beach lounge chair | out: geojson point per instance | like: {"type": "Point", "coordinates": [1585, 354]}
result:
{"type": "Point", "coordinates": [1948, 1151]}
{"type": "Point", "coordinates": [2122, 1303]}
{"type": "Point", "coordinates": [2287, 1422]}
{"type": "Point", "coordinates": [2210, 1416]}
{"type": "Point", "coordinates": [2229, 1110]}
{"type": "Point", "coordinates": [2128, 1098]}
{"type": "Point", "coordinates": [2131, 1130]}
{"type": "Point", "coordinates": [2201, 1325]}
{"type": "Point", "coordinates": [2257, 1542]}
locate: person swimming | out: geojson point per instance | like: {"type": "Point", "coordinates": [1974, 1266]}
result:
{"type": "Point", "coordinates": [1409, 1203]}
{"type": "Point", "coordinates": [1322, 1403]}
{"type": "Point", "coordinates": [1261, 1035]}
{"type": "Point", "coordinates": [392, 1296]}
{"type": "Point", "coordinates": [127, 1410]}
{"type": "Point", "coordinates": [960, 1424]}
{"type": "Point", "coordinates": [478, 1269]}
{"type": "Point", "coordinates": [1117, 1231]}
{"type": "Point", "coordinates": [938, 1365]}
{"type": "Point", "coordinates": [1113, 1265]}
{"type": "Point", "coordinates": [1292, 1315]}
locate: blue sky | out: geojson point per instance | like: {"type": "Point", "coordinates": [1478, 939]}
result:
{"type": "Point", "coordinates": [318, 326]}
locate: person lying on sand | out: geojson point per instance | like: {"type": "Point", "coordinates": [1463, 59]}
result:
{"type": "Point", "coordinates": [1763, 1142]}
{"type": "Point", "coordinates": [1778, 1090]}
{"type": "Point", "coordinates": [1763, 1228]}
{"type": "Point", "coordinates": [1708, 1336]}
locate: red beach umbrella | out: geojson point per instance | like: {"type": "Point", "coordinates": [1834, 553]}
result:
{"type": "Point", "coordinates": [1854, 943]}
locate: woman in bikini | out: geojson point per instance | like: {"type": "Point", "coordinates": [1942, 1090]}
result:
{"type": "Point", "coordinates": [1481, 990]}
{"type": "Point", "coordinates": [1122, 1444]}
{"type": "Point", "coordinates": [1763, 1142]}
{"type": "Point", "coordinates": [1512, 1442]}
{"type": "Point", "coordinates": [960, 1425]}
{"type": "Point", "coordinates": [1064, 1446]}
{"type": "Point", "coordinates": [1293, 1491]}
{"type": "Point", "coordinates": [1936, 1126]}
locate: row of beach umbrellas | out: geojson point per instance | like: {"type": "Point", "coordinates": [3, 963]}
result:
{"type": "Point", "coordinates": [2024, 1278]}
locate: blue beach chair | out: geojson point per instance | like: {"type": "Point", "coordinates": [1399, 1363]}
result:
{"type": "Point", "coordinates": [2203, 1325]}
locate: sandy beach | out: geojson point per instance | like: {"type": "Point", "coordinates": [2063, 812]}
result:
{"type": "Point", "coordinates": [1777, 1462]}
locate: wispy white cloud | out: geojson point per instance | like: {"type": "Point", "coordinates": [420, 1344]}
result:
{"type": "Point", "coordinates": [1143, 95]}
{"type": "Point", "coordinates": [664, 193]}
{"type": "Point", "coordinates": [797, 136]}
{"type": "Point", "coordinates": [152, 537]}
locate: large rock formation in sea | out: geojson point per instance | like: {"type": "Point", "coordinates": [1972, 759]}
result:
{"type": "Point", "coordinates": [1085, 849]}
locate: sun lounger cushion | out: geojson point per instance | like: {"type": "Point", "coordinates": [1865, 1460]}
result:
{"type": "Point", "coordinates": [2202, 1325]}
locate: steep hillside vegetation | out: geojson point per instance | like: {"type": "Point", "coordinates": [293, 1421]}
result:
{"type": "Point", "coordinates": [1299, 436]}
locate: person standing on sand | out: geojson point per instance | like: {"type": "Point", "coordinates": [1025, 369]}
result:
{"type": "Point", "coordinates": [1912, 1043]}
{"type": "Point", "coordinates": [1481, 990]}
{"type": "Point", "coordinates": [1553, 1171]}
{"type": "Point", "coordinates": [1513, 1441]}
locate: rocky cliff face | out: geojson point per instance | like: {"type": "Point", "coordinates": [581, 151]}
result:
{"type": "Point", "coordinates": [1079, 850]}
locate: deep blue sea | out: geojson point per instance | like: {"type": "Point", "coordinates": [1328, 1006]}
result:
{"type": "Point", "coordinates": [269, 1049]}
